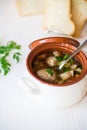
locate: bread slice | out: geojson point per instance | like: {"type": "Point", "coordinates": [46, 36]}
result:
{"type": "Point", "coordinates": [57, 16]}
{"type": "Point", "coordinates": [79, 14]}
{"type": "Point", "coordinates": [30, 7]}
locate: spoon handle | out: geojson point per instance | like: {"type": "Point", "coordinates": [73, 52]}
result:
{"type": "Point", "coordinates": [73, 54]}
{"type": "Point", "coordinates": [78, 49]}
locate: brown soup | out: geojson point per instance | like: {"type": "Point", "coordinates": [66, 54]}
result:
{"type": "Point", "coordinates": [45, 66]}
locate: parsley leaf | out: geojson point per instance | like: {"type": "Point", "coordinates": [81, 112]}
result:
{"type": "Point", "coordinates": [5, 52]}
{"type": "Point", "coordinates": [59, 58]}
{"type": "Point", "coordinates": [13, 45]}
{"type": "Point", "coordinates": [49, 71]}
{"type": "Point", "coordinates": [5, 65]}
{"type": "Point", "coordinates": [16, 56]}
{"type": "Point", "coordinates": [66, 56]}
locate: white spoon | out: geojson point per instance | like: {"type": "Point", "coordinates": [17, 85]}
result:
{"type": "Point", "coordinates": [73, 54]}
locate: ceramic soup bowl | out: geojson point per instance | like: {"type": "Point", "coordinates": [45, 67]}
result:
{"type": "Point", "coordinates": [50, 94]}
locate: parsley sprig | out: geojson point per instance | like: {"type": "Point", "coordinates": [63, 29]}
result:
{"type": "Point", "coordinates": [16, 56]}
{"type": "Point", "coordinates": [5, 52]}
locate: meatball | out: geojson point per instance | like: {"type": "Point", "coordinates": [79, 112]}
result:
{"type": "Point", "coordinates": [44, 74]}
{"type": "Point", "coordinates": [56, 53]}
{"type": "Point", "coordinates": [51, 61]}
{"type": "Point", "coordinates": [42, 56]}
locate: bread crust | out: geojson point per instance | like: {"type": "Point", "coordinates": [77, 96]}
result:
{"type": "Point", "coordinates": [79, 15]}
{"type": "Point", "coordinates": [57, 16]}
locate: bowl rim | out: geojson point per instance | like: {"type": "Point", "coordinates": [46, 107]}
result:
{"type": "Point", "coordinates": [41, 41]}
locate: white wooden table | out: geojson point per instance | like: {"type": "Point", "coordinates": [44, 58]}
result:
{"type": "Point", "coordinates": [18, 110]}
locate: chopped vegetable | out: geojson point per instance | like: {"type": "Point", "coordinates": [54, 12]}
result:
{"type": "Point", "coordinates": [67, 64]}
{"type": "Point", "coordinates": [65, 56]}
{"type": "Point", "coordinates": [65, 69]}
{"type": "Point", "coordinates": [59, 58]}
{"type": "Point", "coordinates": [49, 71]}
{"type": "Point", "coordinates": [78, 70]}
{"type": "Point", "coordinates": [71, 61]}
{"type": "Point", "coordinates": [73, 66]}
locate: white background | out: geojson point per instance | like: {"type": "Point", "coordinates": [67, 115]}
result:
{"type": "Point", "coordinates": [18, 110]}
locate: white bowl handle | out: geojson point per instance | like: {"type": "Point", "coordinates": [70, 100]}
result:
{"type": "Point", "coordinates": [29, 85]}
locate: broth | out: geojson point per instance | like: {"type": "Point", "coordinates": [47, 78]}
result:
{"type": "Point", "coordinates": [45, 66]}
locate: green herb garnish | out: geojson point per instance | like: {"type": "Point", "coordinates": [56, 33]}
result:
{"type": "Point", "coordinates": [11, 45]}
{"type": "Point", "coordinates": [5, 65]}
{"type": "Point", "coordinates": [58, 58]}
{"type": "Point", "coordinates": [66, 56]}
{"type": "Point", "coordinates": [49, 71]}
{"type": "Point", "coordinates": [16, 56]}
{"type": "Point", "coordinates": [71, 61]}
{"type": "Point", "coordinates": [5, 52]}
{"type": "Point", "coordinates": [65, 69]}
